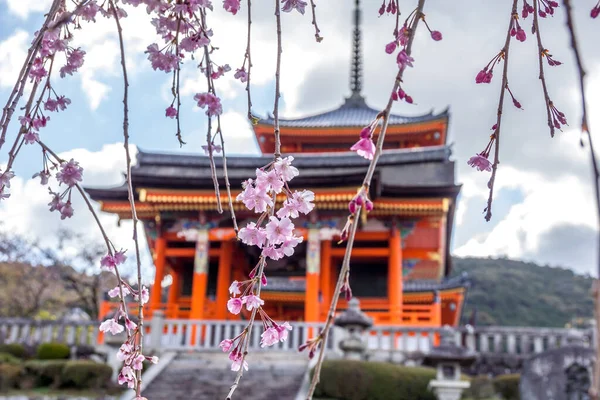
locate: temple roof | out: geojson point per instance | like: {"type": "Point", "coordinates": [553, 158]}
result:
{"type": "Point", "coordinates": [282, 284]}
{"type": "Point", "coordinates": [408, 172]}
{"type": "Point", "coordinates": [353, 113]}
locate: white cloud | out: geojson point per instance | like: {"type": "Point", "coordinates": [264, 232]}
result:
{"type": "Point", "coordinates": [14, 51]}
{"type": "Point", "coordinates": [26, 211]}
{"type": "Point", "coordinates": [22, 8]}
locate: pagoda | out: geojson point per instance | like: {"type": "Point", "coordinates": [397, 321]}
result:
{"type": "Point", "coordinates": [400, 261]}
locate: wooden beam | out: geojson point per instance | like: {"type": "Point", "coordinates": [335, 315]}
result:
{"type": "Point", "coordinates": [362, 252]}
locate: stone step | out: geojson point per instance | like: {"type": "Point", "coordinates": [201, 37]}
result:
{"type": "Point", "coordinates": [207, 376]}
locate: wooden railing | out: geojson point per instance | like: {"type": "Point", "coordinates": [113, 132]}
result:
{"type": "Point", "coordinates": [32, 332]}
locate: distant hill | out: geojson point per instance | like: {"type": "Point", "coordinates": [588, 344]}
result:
{"type": "Point", "coordinates": [515, 293]}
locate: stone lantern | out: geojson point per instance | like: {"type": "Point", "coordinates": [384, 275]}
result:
{"type": "Point", "coordinates": [355, 322]}
{"type": "Point", "coordinates": [448, 359]}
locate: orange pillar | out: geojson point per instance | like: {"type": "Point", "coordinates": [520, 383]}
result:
{"type": "Point", "coordinates": [395, 276]}
{"type": "Point", "coordinates": [224, 278]}
{"type": "Point", "coordinates": [174, 292]}
{"type": "Point", "coordinates": [325, 278]}
{"type": "Point", "coordinates": [313, 261]}
{"type": "Point", "coordinates": [160, 248]}
{"type": "Point", "coordinates": [200, 275]}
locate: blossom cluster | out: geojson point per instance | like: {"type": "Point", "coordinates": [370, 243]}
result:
{"type": "Point", "coordinates": [273, 234]}
{"type": "Point", "coordinates": [129, 352]}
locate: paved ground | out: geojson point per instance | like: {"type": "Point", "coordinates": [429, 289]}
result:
{"type": "Point", "coordinates": [207, 376]}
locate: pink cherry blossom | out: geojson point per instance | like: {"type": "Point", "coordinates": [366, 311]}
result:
{"type": "Point", "coordinates": [241, 74]}
{"type": "Point", "coordinates": [232, 6]}
{"type": "Point", "coordinates": [70, 173]}
{"type": "Point", "coordinates": [365, 148]}
{"type": "Point", "coordinates": [116, 292]}
{"type": "Point", "coordinates": [290, 208]}
{"type": "Point", "coordinates": [266, 181]}
{"type": "Point", "coordinates": [289, 5]}
{"type": "Point", "coordinates": [288, 245]}
{"type": "Point", "coordinates": [211, 102]}
{"type": "Point", "coordinates": [31, 137]}
{"type": "Point", "coordinates": [56, 204]}
{"type": "Point", "coordinates": [253, 235]}
{"type": "Point", "coordinates": [272, 252]}
{"type": "Point", "coordinates": [234, 288]}
{"type": "Point", "coordinates": [5, 178]}
{"type": "Point", "coordinates": [234, 305]}
{"type": "Point", "coordinates": [126, 376]}
{"type": "Point", "coordinates": [89, 11]}
{"type": "Point", "coordinates": [44, 176]}
{"type": "Point", "coordinates": [112, 326]}
{"type": "Point", "coordinates": [282, 331]}
{"type": "Point", "coordinates": [256, 200]}
{"type": "Point", "coordinates": [304, 200]}
{"type": "Point", "coordinates": [171, 112]}
{"type": "Point", "coordinates": [237, 364]}
{"type": "Point", "coordinates": [154, 359]}
{"type": "Point", "coordinates": [391, 47]}
{"type": "Point", "coordinates": [284, 168]}
{"type": "Point", "coordinates": [269, 337]}
{"type": "Point", "coordinates": [211, 147]}
{"type": "Point", "coordinates": [138, 363]}
{"type": "Point", "coordinates": [480, 162]}
{"type": "Point", "coordinates": [111, 261]}
{"type": "Point", "coordinates": [129, 324]}
{"type": "Point", "coordinates": [226, 345]}
{"type": "Point", "coordinates": [124, 351]}
{"type": "Point", "coordinates": [252, 302]}
{"type": "Point", "coordinates": [404, 60]}
{"type": "Point", "coordinates": [66, 211]}
{"type": "Point", "coordinates": [436, 35]}
{"type": "Point", "coordinates": [278, 229]}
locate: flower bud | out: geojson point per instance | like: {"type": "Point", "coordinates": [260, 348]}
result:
{"type": "Point", "coordinates": [436, 35]}
{"type": "Point", "coordinates": [368, 205]}
{"type": "Point", "coordinates": [352, 206]}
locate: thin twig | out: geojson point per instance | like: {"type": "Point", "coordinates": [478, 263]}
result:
{"type": "Point", "coordinates": [318, 36]}
{"type": "Point", "coordinates": [249, 58]}
{"type": "Point", "coordinates": [595, 389]}
{"type": "Point", "coordinates": [345, 269]}
{"type": "Point", "coordinates": [505, 50]}
{"type": "Point", "coordinates": [542, 78]}
{"type": "Point", "coordinates": [276, 131]}
{"type": "Point", "coordinates": [131, 196]}
{"type": "Point", "coordinates": [226, 177]}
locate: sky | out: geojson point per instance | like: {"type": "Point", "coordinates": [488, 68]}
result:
{"type": "Point", "coordinates": [543, 208]}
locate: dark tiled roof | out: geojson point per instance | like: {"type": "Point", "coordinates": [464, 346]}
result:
{"type": "Point", "coordinates": [283, 284]}
{"type": "Point", "coordinates": [420, 169]}
{"type": "Point", "coordinates": [350, 114]}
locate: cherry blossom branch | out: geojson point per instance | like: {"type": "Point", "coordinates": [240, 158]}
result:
{"type": "Point", "coordinates": [131, 195]}
{"type": "Point", "coordinates": [354, 220]}
{"type": "Point", "coordinates": [276, 130]}
{"type": "Point", "coordinates": [496, 134]}
{"type": "Point", "coordinates": [226, 177]}
{"type": "Point", "coordinates": [585, 128]}
{"type": "Point", "coordinates": [248, 56]}
{"type": "Point", "coordinates": [19, 87]}
{"type": "Point", "coordinates": [541, 52]}
{"type": "Point", "coordinates": [318, 36]}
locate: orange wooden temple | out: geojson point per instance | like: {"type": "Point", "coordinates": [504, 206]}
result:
{"type": "Point", "coordinates": [400, 262]}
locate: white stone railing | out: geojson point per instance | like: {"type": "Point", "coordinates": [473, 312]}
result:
{"type": "Point", "coordinates": [183, 334]}
{"type": "Point", "coordinates": [32, 332]}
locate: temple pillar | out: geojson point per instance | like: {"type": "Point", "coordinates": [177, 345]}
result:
{"type": "Point", "coordinates": [313, 255]}
{"type": "Point", "coordinates": [395, 276]}
{"type": "Point", "coordinates": [325, 277]}
{"type": "Point", "coordinates": [160, 248]}
{"type": "Point", "coordinates": [224, 278]}
{"type": "Point", "coordinates": [174, 291]}
{"type": "Point", "coordinates": [200, 278]}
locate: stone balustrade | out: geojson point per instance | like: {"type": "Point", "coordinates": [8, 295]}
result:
{"type": "Point", "coordinates": [184, 334]}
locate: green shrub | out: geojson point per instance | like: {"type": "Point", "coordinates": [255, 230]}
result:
{"type": "Point", "coordinates": [7, 358]}
{"type": "Point", "coordinates": [358, 380]}
{"type": "Point", "coordinates": [84, 374]}
{"type": "Point", "coordinates": [9, 376]}
{"type": "Point", "coordinates": [14, 349]}
{"type": "Point", "coordinates": [507, 386]}
{"type": "Point", "coordinates": [44, 373]}
{"type": "Point", "coordinates": [53, 351]}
